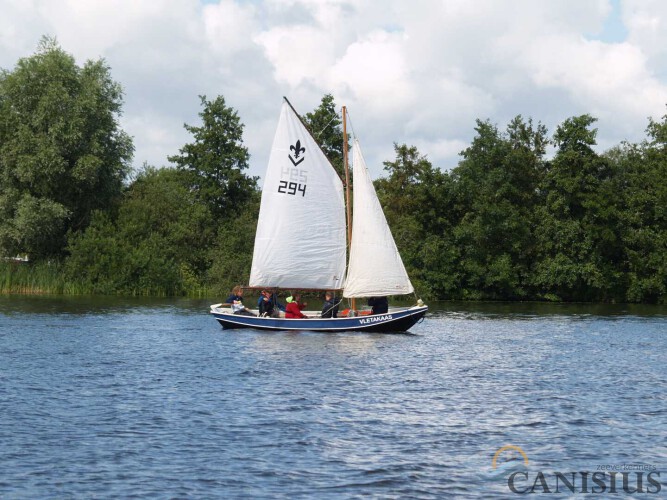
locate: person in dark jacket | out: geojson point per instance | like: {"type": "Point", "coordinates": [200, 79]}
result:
{"type": "Point", "coordinates": [265, 306]}
{"type": "Point", "coordinates": [267, 303]}
{"type": "Point", "coordinates": [380, 305]}
{"type": "Point", "coordinates": [330, 306]}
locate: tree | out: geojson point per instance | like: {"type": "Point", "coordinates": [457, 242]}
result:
{"type": "Point", "coordinates": [578, 235]}
{"type": "Point", "coordinates": [415, 199]}
{"type": "Point", "coordinates": [325, 125]}
{"type": "Point", "coordinates": [231, 253]}
{"type": "Point", "coordinates": [159, 243]}
{"type": "Point", "coordinates": [215, 161]}
{"type": "Point", "coordinates": [62, 152]}
{"type": "Point", "coordinates": [642, 172]}
{"type": "Point", "coordinates": [494, 199]}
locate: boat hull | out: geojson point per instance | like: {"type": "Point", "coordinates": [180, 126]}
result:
{"type": "Point", "coordinates": [393, 321]}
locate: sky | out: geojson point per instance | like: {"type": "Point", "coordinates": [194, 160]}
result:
{"type": "Point", "coordinates": [418, 72]}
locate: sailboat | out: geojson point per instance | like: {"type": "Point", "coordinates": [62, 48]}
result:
{"type": "Point", "coordinates": [302, 238]}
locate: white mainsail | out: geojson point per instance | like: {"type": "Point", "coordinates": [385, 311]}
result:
{"type": "Point", "coordinates": [300, 240]}
{"type": "Point", "coordinates": [375, 267]}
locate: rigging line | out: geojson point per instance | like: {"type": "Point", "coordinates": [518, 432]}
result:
{"type": "Point", "coordinates": [349, 121]}
{"type": "Point", "coordinates": [326, 126]}
{"type": "Point", "coordinates": [337, 304]}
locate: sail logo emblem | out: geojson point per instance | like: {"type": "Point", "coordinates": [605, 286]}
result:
{"type": "Point", "coordinates": [297, 150]}
{"type": "Point", "coordinates": [293, 180]}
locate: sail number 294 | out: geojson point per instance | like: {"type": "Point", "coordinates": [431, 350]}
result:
{"type": "Point", "coordinates": [292, 188]}
{"type": "Point", "coordinates": [296, 183]}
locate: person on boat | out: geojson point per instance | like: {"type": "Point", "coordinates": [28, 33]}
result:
{"type": "Point", "coordinates": [265, 306]}
{"type": "Point", "coordinates": [236, 300]}
{"type": "Point", "coordinates": [267, 303]}
{"type": "Point", "coordinates": [294, 307]}
{"type": "Point", "coordinates": [380, 305]}
{"type": "Point", "coordinates": [330, 306]}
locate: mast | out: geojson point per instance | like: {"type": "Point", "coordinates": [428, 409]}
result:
{"type": "Point", "coordinates": [348, 205]}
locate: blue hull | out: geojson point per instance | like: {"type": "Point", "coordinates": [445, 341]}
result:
{"type": "Point", "coordinates": [393, 321]}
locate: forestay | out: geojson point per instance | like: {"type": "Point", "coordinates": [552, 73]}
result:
{"type": "Point", "coordinates": [375, 267]}
{"type": "Point", "coordinates": [300, 240]}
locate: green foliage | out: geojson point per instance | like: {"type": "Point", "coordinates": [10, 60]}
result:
{"type": "Point", "coordinates": [231, 253]}
{"type": "Point", "coordinates": [188, 230]}
{"type": "Point", "coordinates": [33, 278]}
{"type": "Point", "coordinates": [325, 124]}
{"type": "Point", "coordinates": [62, 153]}
{"type": "Point", "coordinates": [415, 199]}
{"type": "Point", "coordinates": [37, 226]}
{"type": "Point", "coordinates": [496, 194]}
{"type": "Point", "coordinates": [157, 246]}
{"type": "Point", "coordinates": [642, 173]}
{"type": "Point", "coordinates": [578, 234]}
{"type": "Point", "coordinates": [507, 224]}
{"type": "Point", "coordinates": [216, 159]}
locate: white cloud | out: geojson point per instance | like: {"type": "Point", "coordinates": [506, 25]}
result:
{"type": "Point", "coordinates": [229, 26]}
{"type": "Point", "coordinates": [373, 71]}
{"type": "Point", "coordinates": [418, 72]}
{"type": "Point", "coordinates": [646, 21]}
{"type": "Point", "coordinates": [294, 60]}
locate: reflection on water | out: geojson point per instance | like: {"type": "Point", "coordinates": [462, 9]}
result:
{"type": "Point", "coordinates": [66, 304]}
{"type": "Point", "coordinates": [122, 397]}
{"type": "Point", "coordinates": [84, 304]}
{"type": "Point", "coordinates": [518, 310]}
{"type": "Point", "coordinates": [297, 344]}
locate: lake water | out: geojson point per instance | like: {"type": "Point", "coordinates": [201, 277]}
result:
{"type": "Point", "coordinates": [110, 398]}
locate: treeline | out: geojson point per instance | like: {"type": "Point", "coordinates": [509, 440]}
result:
{"type": "Point", "coordinates": [69, 201]}
{"type": "Point", "coordinates": [509, 223]}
